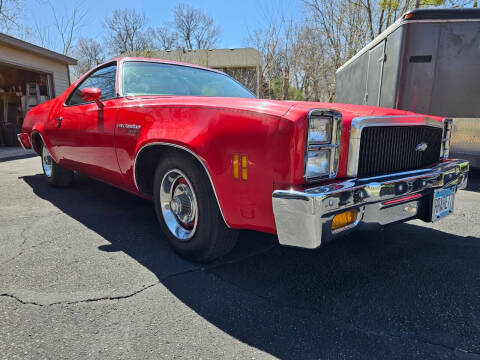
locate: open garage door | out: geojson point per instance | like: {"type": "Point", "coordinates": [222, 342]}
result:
{"type": "Point", "coordinates": [20, 90]}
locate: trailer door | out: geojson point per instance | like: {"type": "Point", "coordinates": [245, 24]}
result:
{"type": "Point", "coordinates": [376, 58]}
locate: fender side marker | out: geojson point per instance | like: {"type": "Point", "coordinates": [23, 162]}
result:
{"type": "Point", "coordinates": [237, 165]}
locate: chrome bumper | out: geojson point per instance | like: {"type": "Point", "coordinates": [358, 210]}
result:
{"type": "Point", "coordinates": [303, 218]}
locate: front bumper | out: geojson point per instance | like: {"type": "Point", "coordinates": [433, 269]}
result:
{"type": "Point", "coordinates": [304, 218]}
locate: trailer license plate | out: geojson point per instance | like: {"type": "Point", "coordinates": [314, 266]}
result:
{"type": "Point", "coordinates": [443, 200]}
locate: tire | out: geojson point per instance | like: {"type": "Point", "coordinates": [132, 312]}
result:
{"type": "Point", "coordinates": [56, 175]}
{"type": "Point", "coordinates": [190, 217]}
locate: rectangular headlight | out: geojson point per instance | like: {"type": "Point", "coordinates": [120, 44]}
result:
{"type": "Point", "coordinates": [318, 163]}
{"type": "Point", "coordinates": [322, 148]}
{"type": "Point", "coordinates": [446, 137]}
{"type": "Point", "coordinates": [320, 131]}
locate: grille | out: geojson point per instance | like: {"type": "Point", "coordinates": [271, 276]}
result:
{"type": "Point", "coordinates": [393, 148]}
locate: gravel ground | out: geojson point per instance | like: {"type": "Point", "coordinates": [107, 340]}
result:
{"type": "Point", "coordinates": [85, 274]}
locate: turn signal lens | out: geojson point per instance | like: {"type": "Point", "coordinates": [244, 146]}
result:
{"type": "Point", "coordinates": [343, 219]}
{"type": "Point", "coordinates": [235, 166]}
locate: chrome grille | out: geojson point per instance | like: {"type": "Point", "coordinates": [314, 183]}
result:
{"type": "Point", "coordinates": [387, 149]}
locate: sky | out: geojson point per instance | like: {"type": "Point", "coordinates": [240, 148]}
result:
{"type": "Point", "coordinates": [236, 18]}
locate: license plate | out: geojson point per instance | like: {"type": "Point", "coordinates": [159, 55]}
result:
{"type": "Point", "coordinates": [443, 200]}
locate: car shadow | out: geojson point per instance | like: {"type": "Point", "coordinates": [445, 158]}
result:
{"type": "Point", "coordinates": [17, 157]}
{"type": "Point", "coordinates": [405, 290]}
{"type": "Point", "coordinates": [473, 183]}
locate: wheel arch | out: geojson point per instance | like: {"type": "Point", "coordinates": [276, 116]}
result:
{"type": "Point", "coordinates": [146, 161]}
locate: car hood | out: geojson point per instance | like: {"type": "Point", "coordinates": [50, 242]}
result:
{"type": "Point", "coordinates": [348, 111]}
{"type": "Point", "coordinates": [290, 110]}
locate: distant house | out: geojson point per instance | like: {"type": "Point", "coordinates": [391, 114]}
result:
{"type": "Point", "coordinates": [243, 64]}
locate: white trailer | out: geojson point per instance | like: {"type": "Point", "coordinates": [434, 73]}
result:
{"type": "Point", "coordinates": [428, 62]}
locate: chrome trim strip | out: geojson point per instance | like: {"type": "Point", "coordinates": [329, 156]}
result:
{"type": "Point", "coordinates": [191, 153]}
{"type": "Point", "coordinates": [359, 123]}
{"type": "Point", "coordinates": [334, 143]}
{"type": "Point", "coordinates": [303, 217]}
{"type": "Point", "coordinates": [20, 141]}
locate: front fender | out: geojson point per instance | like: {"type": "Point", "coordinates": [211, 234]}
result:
{"type": "Point", "coordinates": [214, 137]}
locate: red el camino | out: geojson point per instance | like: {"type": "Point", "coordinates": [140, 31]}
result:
{"type": "Point", "coordinates": [215, 159]}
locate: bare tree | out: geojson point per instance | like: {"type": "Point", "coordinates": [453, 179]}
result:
{"type": "Point", "coordinates": [10, 11]}
{"type": "Point", "coordinates": [68, 26]}
{"type": "Point", "coordinates": [127, 32]}
{"type": "Point", "coordinates": [341, 24]}
{"type": "Point", "coordinates": [195, 29]}
{"type": "Point", "coordinates": [267, 41]}
{"type": "Point", "coordinates": [90, 54]}
{"type": "Point", "coordinates": [62, 37]}
{"type": "Point", "coordinates": [288, 53]}
{"type": "Point", "coordinates": [306, 55]}
{"type": "Point", "coordinates": [381, 14]}
{"type": "Point", "coordinates": [165, 39]}
{"type": "Point", "coordinates": [313, 72]}
{"type": "Point", "coordinates": [42, 35]}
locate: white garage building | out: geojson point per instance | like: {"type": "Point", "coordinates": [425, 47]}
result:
{"type": "Point", "coordinates": [29, 75]}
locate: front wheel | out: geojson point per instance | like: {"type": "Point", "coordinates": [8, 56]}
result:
{"type": "Point", "coordinates": [56, 175]}
{"type": "Point", "coordinates": [188, 212]}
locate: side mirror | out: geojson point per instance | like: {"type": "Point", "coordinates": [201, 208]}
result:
{"type": "Point", "coordinates": [91, 94]}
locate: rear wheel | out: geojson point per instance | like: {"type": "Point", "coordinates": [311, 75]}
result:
{"type": "Point", "coordinates": [188, 212]}
{"type": "Point", "coordinates": [56, 175]}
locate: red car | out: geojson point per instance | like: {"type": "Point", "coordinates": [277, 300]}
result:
{"type": "Point", "coordinates": [215, 159]}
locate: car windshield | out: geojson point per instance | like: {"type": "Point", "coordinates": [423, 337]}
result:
{"type": "Point", "coordinates": [152, 78]}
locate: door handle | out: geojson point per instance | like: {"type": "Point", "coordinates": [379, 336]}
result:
{"type": "Point", "coordinates": [59, 121]}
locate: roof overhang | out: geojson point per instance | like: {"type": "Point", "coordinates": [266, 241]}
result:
{"type": "Point", "coordinates": [23, 45]}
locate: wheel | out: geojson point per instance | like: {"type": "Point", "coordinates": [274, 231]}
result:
{"type": "Point", "coordinates": [56, 175]}
{"type": "Point", "coordinates": [187, 210]}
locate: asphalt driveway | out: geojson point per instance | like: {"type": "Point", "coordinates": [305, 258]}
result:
{"type": "Point", "coordinates": [84, 273]}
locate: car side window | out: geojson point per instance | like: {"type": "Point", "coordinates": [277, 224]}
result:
{"type": "Point", "coordinates": [103, 78]}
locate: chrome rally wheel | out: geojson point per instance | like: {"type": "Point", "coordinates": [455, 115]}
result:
{"type": "Point", "coordinates": [47, 162]}
{"type": "Point", "coordinates": [187, 209]}
{"type": "Point", "coordinates": [55, 174]}
{"type": "Point", "coordinates": [179, 204]}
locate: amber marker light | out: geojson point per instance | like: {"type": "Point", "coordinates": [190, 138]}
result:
{"type": "Point", "coordinates": [244, 167]}
{"type": "Point", "coordinates": [409, 16]}
{"type": "Point", "coordinates": [344, 219]}
{"type": "Point", "coordinates": [235, 166]}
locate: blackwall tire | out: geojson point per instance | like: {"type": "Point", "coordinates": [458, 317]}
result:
{"type": "Point", "coordinates": [55, 174]}
{"type": "Point", "coordinates": [188, 212]}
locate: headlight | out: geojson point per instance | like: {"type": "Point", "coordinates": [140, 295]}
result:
{"type": "Point", "coordinates": [318, 163]}
{"type": "Point", "coordinates": [446, 136]}
{"type": "Point", "coordinates": [320, 131]}
{"type": "Point", "coordinates": [322, 144]}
